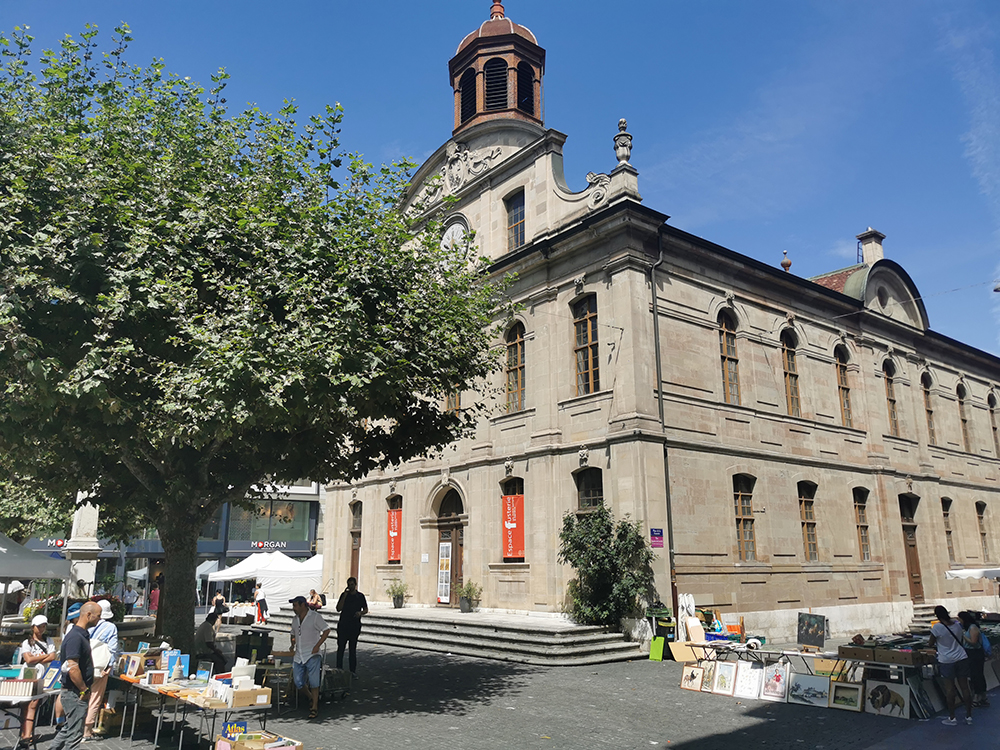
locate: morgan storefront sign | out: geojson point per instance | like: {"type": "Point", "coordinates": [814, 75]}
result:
{"type": "Point", "coordinates": [55, 542]}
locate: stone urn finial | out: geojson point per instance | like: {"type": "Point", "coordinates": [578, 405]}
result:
{"type": "Point", "coordinates": [623, 143]}
{"type": "Point", "coordinates": [497, 10]}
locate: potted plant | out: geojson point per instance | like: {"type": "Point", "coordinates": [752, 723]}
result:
{"type": "Point", "coordinates": [397, 590]}
{"type": "Point", "coordinates": [468, 596]}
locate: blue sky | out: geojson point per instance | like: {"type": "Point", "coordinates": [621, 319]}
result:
{"type": "Point", "coordinates": [762, 126]}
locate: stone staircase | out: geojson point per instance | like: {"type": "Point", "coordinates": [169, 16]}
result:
{"type": "Point", "coordinates": [523, 639]}
{"type": "Point", "coordinates": [923, 616]}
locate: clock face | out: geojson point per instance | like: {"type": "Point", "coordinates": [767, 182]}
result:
{"type": "Point", "coordinates": [452, 236]}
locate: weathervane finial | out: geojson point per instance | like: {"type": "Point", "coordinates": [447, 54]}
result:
{"type": "Point", "coordinates": [497, 10]}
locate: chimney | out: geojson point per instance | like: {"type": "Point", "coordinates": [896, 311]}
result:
{"type": "Point", "coordinates": [871, 246]}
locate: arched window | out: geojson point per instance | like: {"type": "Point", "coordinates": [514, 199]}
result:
{"type": "Point", "coordinates": [981, 519]}
{"type": "Point", "coordinates": [807, 515]}
{"type": "Point", "coordinates": [512, 486]}
{"type": "Point", "coordinates": [495, 72]}
{"type": "Point", "coordinates": [730, 359]}
{"type": "Point", "coordinates": [925, 385]}
{"type": "Point", "coordinates": [788, 343]}
{"type": "Point", "coordinates": [467, 87]}
{"type": "Point", "coordinates": [515, 221]}
{"type": "Point", "coordinates": [526, 88]}
{"type": "Point", "coordinates": [992, 402]}
{"type": "Point", "coordinates": [589, 489]}
{"type": "Point", "coordinates": [451, 505]}
{"type": "Point", "coordinates": [588, 376]}
{"type": "Point", "coordinates": [394, 503]}
{"type": "Point", "coordinates": [743, 502]}
{"type": "Point", "coordinates": [515, 368]}
{"type": "Point", "coordinates": [889, 374]}
{"type": "Point", "coordinates": [963, 417]}
{"type": "Point", "coordinates": [946, 517]}
{"type": "Point", "coordinates": [861, 519]}
{"type": "Point", "coordinates": [394, 527]}
{"type": "Point", "coordinates": [843, 386]}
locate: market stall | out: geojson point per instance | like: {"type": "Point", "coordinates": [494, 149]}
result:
{"type": "Point", "coordinates": [20, 563]}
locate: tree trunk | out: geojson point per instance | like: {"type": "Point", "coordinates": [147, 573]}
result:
{"type": "Point", "coordinates": [177, 599]}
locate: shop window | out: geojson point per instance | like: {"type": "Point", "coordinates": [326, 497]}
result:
{"type": "Point", "coordinates": [588, 373]}
{"type": "Point", "coordinates": [212, 531]}
{"type": "Point", "coordinates": [792, 400]}
{"type": "Point", "coordinates": [515, 368]}
{"type": "Point", "coordinates": [807, 516]}
{"type": "Point", "coordinates": [925, 386]}
{"type": "Point", "coordinates": [743, 485]}
{"type": "Point", "coordinates": [250, 524]}
{"type": "Point", "coordinates": [589, 489]}
{"type": "Point", "coordinates": [861, 519]}
{"type": "Point", "coordinates": [289, 521]}
{"type": "Point", "coordinates": [843, 387]}
{"type": "Point", "coordinates": [889, 375]}
{"type": "Point", "coordinates": [948, 537]}
{"type": "Point", "coordinates": [730, 359]}
{"type": "Point", "coordinates": [963, 418]}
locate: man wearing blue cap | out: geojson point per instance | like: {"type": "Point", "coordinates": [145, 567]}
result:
{"type": "Point", "coordinates": [77, 677]}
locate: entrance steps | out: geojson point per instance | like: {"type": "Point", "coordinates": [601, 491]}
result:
{"type": "Point", "coordinates": [539, 641]}
{"type": "Point", "coordinates": [923, 617]}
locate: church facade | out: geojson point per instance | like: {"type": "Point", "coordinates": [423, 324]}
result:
{"type": "Point", "coordinates": [791, 443]}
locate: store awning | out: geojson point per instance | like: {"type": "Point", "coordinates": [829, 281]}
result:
{"type": "Point", "coordinates": [20, 562]}
{"type": "Point", "coordinates": [992, 573]}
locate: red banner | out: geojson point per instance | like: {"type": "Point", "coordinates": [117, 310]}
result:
{"type": "Point", "coordinates": [513, 526]}
{"type": "Point", "coordinates": [395, 521]}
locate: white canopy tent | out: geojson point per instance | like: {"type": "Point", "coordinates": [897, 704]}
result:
{"type": "Point", "coordinates": [991, 573]}
{"type": "Point", "coordinates": [252, 565]}
{"type": "Point", "coordinates": [209, 566]}
{"type": "Point", "coordinates": [282, 582]}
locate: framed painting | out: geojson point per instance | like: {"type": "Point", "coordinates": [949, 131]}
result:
{"type": "Point", "coordinates": [887, 699]}
{"type": "Point", "coordinates": [774, 685]}
{"type": "Point", "coordinates": [749, 677]}
{"type": "Point", "coordinates": [848, 696]}
{"type": "Point", "coordinates": [811, 630]}
{"type": "Point", "coordinates": [708, 678]}
{"type": "Point", "coordinates": [692, 677]}
{"type": "Point", "coordinates": [809, 689]}
{"type": "Point", "coordinates": [725, 678]}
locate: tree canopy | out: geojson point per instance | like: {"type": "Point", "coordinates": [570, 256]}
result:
{"type": "Point", "coordinates": [195, 303]}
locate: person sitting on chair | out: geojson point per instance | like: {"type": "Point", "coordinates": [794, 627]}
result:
{"type": "Point", "coordinates": [315, 600]}
{"type": "Point", "coordinates": [309, 631]}
{"type": "Point", "coordinates": [204, 644]}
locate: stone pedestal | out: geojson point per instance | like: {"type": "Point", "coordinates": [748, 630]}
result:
{"type": "Point", "coordinates": [83, 546]}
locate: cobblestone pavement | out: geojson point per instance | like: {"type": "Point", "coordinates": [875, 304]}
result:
{"type": "Point", "coordinates": [415, 699]}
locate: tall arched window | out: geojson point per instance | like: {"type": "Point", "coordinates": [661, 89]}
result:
{"type": "Point", "coordinates": [946, 517]}
{"type": "Point", "coordinates": [467, 88]}
{"type": "Point", "coordinates": [743, 503]}
{"type": "Point", "coordinates": [992, 402]}
{"type": "Point", "coordinates": [925, 385]}
{"type": "Point", "coordinates": [889, 374]}
{"type": "Point", "coordinates": [788, 343]}
{"type": "Point", "coordinates": [963, 418]}
{"type": "Point", "coordinates": [495, 72]}
{"type": "Point", "coordinates": [861, 519]}
{"type": "Point", "coordinates": [588, 376]}
{"type": "Point", "coordinates": [526, 88]}
{"type": "Point", "coordinates": [589, 488]}
{"type": "Point", "coordinates": [512, 486]}
{"type": "Point", "coordinates": [515, 368]}
{"type": "Point", "coordinates": [843, 386]}
{"type": "Point", "coordinates": [515, 221]}
{"type": "Point", "coordinates": [394, 529]}
{"type": "Point", "coordinates": [981, 519]}
{"type": "Point", "coordinates": [730, 359]}
{"type": "Point", "coordinates": [807, 516]}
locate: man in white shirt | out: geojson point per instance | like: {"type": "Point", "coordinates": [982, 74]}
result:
{"type": "Point", "coordinates": [129, 598]}
{"type": "Point", "coordinates": [309, 631]}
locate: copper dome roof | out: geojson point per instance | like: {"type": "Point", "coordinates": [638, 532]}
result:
{"type": "Point", "coordinates": [498, 25]}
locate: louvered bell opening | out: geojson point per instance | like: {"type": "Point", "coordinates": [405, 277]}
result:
{"type": "Point", "coordinates": [526, 89]}
{"type": "Point", "coordinates": [496, 84]}
{"type": "Point", "coordinates": [467, 87]}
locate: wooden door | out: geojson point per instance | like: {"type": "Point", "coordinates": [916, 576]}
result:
{"type": "Point", "coordinates": [355, 553]}
{"type": "Point", "coordinates": [913, 563]}
{"type": "Point", "coordinates": [450, 543]}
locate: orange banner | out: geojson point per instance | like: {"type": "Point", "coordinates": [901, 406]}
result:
{"type": "Point", "coordinates": [513, 526]}
{"type": "Point", "coordinates": [395, 521]}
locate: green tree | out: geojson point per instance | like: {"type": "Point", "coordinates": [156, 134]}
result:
{"type": "Point", "coordinates": [26, 511]}
{"type": "Point", "coordinates": [192, 305]}
{"type": "Point", "coordinates": [613, 565]}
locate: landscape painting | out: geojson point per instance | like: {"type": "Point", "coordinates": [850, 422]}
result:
{"type": "Point", "coordinates": [809, 689]}
{"type": "Point", "coordinates": [725, 678]}
{"type": "Point", "coordinates": [847, 696]}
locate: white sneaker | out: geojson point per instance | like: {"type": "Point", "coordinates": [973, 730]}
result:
{"type": "Point", "coordinates": [968, 720]}
{"type": "Point", "coordinates": [949, 722]}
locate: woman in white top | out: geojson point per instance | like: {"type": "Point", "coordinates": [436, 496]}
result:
{"type": "Point", "coordinates": [953, 663]}
{"type": "Point", "coordinates": [36, 651]}
{"type": "Point", "coordinates": [258, 596]}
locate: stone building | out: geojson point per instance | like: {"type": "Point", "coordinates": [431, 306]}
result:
{"type": "Point", "coordinates": [799, 443]}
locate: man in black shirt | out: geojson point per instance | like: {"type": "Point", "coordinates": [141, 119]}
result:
{"type": "Point", "coordinates": [351, 605]}
{"type": "Point", "coordinates": [77, 677]}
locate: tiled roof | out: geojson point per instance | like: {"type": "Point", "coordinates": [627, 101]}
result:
{"type": "Point", "coordinates": [836, 280]}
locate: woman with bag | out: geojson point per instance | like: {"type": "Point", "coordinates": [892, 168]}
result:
{"type": "Point", "coordinates": [104, 651]}
{"type": "Point", "coordinates": [953, 663]}
{"type": "Point", "coordinates": [37, 651]}
{"type": "Point", "coordinates": [975, 646]}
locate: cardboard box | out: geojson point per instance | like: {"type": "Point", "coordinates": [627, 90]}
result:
{"type": "Point", "coordinates": [254, 697]}
{"type": "Point", "coordinates": [856, 652]}
{"type": "Point", "coordinates": [257, 741]}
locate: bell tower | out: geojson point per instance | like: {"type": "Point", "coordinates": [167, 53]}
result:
{"type": "Point", "coordinates": [497, 73]}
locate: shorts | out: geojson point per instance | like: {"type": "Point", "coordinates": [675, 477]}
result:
{"type": "Point", "coordinates": [308, 672]}
{"type": "Point", "coordinates": [955, 669]}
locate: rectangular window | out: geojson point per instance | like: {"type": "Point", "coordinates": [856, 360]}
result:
{"type": "Point", "coordinates": [949, 541]}
{"type": "Point", "coordinates": [588, 378]}
{"type": "Point", "coordinates": [730, 360]}
{"type": "Point", "coordinates": [807, 515]}
{"type": "Point", "coordinates": [791, 380]}
{"type": "Point", "coordinates": [590, 489]}
{"type": "Point", "coordinates": [844, 391]}
{"type": "Point", "coordinates": [964, 418]}
{"type": "Point", "coordinates": [515, 221]}
{"type": "Point", "coordinates": [890, 400]}
{"type": "Point", "coordinates": [289, 521]}
{"type": "Point", "coordinates": [251, 525]}
{"type": "Point", "coordinates": [453, 403]}
{"type": "Point", "coordinates": [861, 519]}
{"type": "Point", "coordinates": [981, 518]}
{"type": "Point", "coordinates": [743, 502]}
{"type": "Point", "coordinates": [929, 410]}
{"type": "Point", "coordinates": [515, 369]}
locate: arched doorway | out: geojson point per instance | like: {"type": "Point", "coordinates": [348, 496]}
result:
{"type": "Point", "coordinates": [451, 542]}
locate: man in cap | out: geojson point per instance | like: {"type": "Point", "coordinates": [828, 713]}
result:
{"type": "Point", "coordinates": [309, 631]}
{"type": "Point", "coordinates": [77, 677]}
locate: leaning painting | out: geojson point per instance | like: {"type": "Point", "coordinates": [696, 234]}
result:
{"type": "Point", "coordinates": [887, 699]}
{"type": "Point", "coordinates": [809, 689]}
{"type": "Point", "coordinates": [775, 687]}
